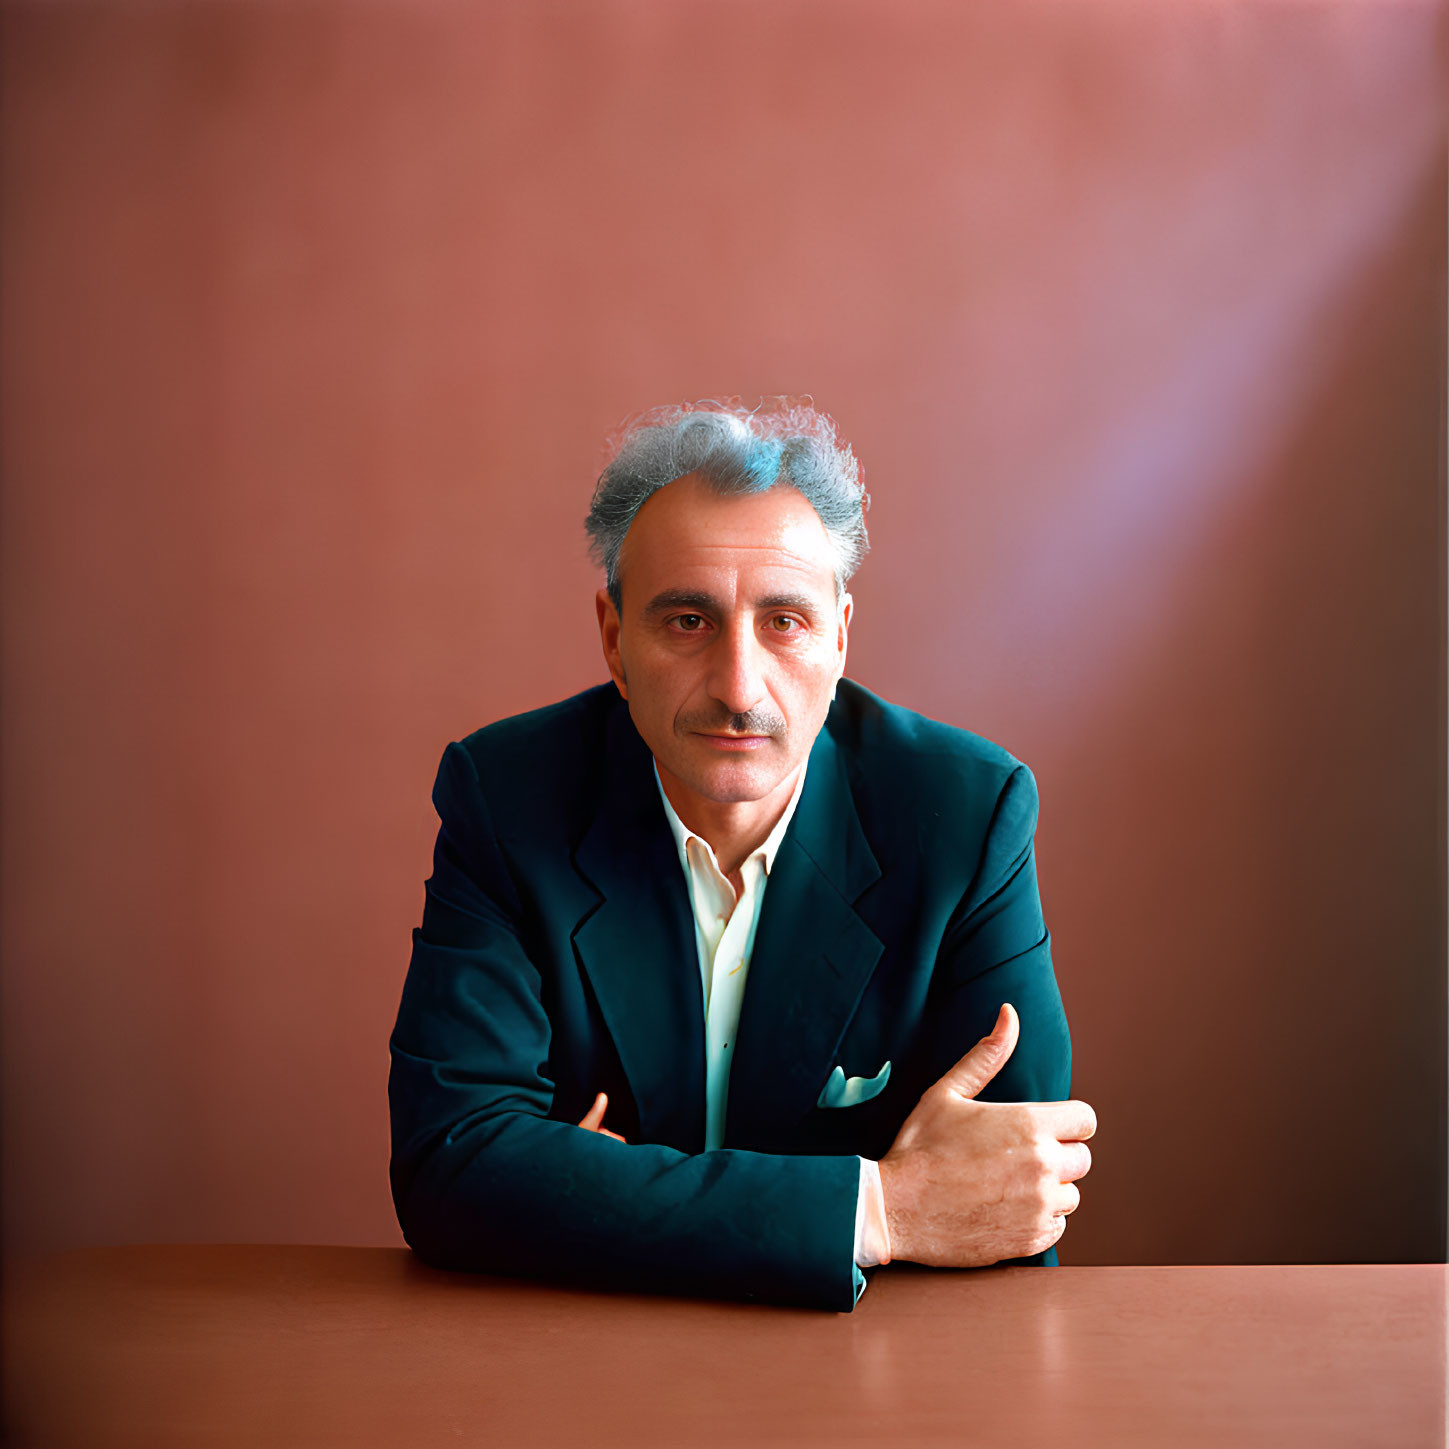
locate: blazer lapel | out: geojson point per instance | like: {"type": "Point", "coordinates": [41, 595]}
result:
{"type": "Point", "coordinates": [812, 958]}
{"type": "Point", "coordinates": [637, 945]}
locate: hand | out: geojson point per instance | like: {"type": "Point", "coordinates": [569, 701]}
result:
{"type": "Point", "coordinates": [594, 1117]}
{"type": "Point", "coordinates": [969, 1183]}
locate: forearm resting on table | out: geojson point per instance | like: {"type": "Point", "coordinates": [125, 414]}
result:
{"type": "Point", "coordinates": [872, 1236]}
{"type": "Point", "coordinates": [519, 1193]}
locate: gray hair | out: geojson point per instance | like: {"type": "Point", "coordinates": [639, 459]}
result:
{"type": "Point", "coordinates": [735, 450]}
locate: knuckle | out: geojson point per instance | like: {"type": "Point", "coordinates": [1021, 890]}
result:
{"type": "Point", "coordinates": [1045, 1181]}
{"type": "Point", "coordinates": [1021, 1120]}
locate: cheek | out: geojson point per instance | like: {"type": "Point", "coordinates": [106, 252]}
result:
{"type": "Point", "coordinates": [807, 685]}
{"type": "Point", "coordinates": [661, 686]}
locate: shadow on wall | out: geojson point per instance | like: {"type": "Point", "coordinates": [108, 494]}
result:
{"type": "Point", "coordinates": [1278, 974]}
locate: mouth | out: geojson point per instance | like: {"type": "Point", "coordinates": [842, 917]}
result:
{"type": "Point", "coordinates": [734, 743]}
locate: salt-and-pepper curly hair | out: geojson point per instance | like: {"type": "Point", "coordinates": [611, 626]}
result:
{"type": "Point", "coordinates": [734, 449]}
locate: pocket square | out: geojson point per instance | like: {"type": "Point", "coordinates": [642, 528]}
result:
{"type": "Point", "coordinates": [843, 1091]}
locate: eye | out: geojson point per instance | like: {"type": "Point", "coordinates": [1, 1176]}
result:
{"type": "Point", "coordinates": [690, 623]}
{"type": "Point", "coordinates": [784, 624]}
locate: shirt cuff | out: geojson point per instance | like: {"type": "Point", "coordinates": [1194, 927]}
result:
{"type": "Point", "coordinates": [872, 1238]}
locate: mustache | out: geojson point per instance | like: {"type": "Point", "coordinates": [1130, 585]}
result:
{"type": "Point", "coordinates": [752, 722]}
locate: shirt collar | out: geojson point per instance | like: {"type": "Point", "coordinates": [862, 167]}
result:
{"type": "Point", "coordinates": [683, 834]}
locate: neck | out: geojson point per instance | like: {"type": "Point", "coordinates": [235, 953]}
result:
{"type": "Point", "coordinates": [733, 828]}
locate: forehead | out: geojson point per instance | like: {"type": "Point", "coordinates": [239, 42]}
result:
{"type": "Point", "coordinates": [686, 529]}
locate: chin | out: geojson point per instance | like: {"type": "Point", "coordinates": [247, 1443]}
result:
{"type": "Point", "coordinates": [734, 782]}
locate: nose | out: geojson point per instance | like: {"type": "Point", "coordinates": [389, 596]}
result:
{"type": "Point", "coordinates": [736, 671]}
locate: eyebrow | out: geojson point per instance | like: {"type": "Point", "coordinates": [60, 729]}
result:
{"type": "Point", "coordinates": [703, 603]}
{"type": "Point", "coordinates": [801, 603]}
{"type": "Point", "coordinates": [681, 599]}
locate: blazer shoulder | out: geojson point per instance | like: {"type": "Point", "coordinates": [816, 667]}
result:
{"type": "Point", "coordinates": [912, 753]}
{"type": "Point", "coordinates": [517, 738]}
{"type": "Point", "coordinates": [527, 761]}
{"type": "Point", "coordinates": [926, 784]}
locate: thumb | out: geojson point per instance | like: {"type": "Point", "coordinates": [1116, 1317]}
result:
{"type": "Point", "coordinates": [987, 1057]}
{"type": "Point", "coordinates": [595, 1115]}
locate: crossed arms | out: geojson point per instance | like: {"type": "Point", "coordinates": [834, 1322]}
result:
{"type": "Point", "coordinates": [485, 1179]}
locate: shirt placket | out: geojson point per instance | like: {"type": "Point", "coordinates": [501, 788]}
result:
{"type": "Point", "coordinates": [726, 925]}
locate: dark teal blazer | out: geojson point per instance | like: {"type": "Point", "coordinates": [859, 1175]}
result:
{"type": "Point", "coordinates": [557, 959]}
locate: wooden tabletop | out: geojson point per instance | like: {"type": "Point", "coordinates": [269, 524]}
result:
{"type": "Point", "coordinates": [276, 1346]}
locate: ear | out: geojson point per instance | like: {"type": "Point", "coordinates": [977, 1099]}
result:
{"type": "Point", "coordinates": [847, 609]}
{"type": "Point", "coordinates": [609, 638]}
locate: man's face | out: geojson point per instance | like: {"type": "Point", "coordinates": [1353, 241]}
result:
{"type": "Point", "coordinates": [730, 638]}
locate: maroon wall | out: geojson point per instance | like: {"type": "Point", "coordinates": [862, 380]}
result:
{"type": "Point", "coordinates": [314, 318]}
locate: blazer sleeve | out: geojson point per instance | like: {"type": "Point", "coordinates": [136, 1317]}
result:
{"type": "Point", "coordinates": [483, 1179]}
{"type": "Point", "coordinates": [996, 948]}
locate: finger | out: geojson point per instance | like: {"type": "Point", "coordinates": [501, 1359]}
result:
{"type": "Point", "coordinates": [614, 1135]}
{"type": "Point", "coordinates": [1066, 1121]}
{"type": "Point", "coordinates": [987, 1057]}
{"type": "Point", "coordinates": [1074, 1160]}
{"type": "Point", "coordinates": [1067, 1198]}
{"type": "Point", "coordinates": [595, 1115]}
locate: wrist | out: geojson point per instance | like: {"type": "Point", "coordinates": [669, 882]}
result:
{"type": "Point", "coordinates": [895, 1199]}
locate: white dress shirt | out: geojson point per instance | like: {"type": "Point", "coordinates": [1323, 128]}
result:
{"type": "Point", "coordinates": [724, 932]}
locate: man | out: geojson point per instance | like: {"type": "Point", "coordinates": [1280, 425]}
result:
{"type": "Point", "coordinates": [744, 909]}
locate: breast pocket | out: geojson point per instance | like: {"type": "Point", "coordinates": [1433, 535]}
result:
{"type": "Point", "coordinates": [843, 1091]}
